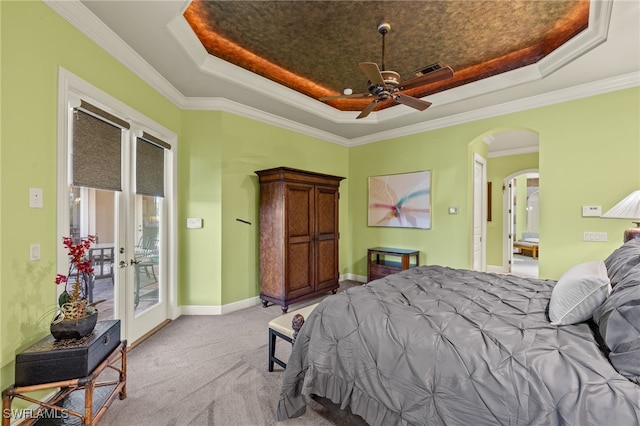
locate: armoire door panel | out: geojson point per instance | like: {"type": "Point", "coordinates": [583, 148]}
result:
{"type": "Point", "coordinates": [326, 211]}
{"type": "Point", "coordinates": [326, 266]}
{"type": "Point", "coordinates": [299, 201]}
{"type": "Point", "coordinates": [299, 269]}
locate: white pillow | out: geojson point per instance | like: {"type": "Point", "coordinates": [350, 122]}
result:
{"type": "Point", "coordinates": [578, 292]}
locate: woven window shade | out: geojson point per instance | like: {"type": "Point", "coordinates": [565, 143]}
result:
{"type": "Point", "coordinates": [150, 167]}
{"type": "Point", "coordinates": [96, 154]}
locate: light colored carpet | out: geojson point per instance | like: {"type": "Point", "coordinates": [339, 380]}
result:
{"type": "Point", "coordinates": [211, 370]}
{"type": "Point", "coordinates": [524, 266]}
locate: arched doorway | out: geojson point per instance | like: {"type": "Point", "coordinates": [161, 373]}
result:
{"type": "Point", "coordinates": [510, 152]}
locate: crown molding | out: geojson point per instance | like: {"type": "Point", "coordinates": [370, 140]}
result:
{"type": "Point", "coordinates": [564, 95]}
{"type": "Point", "coordinates": [86, 22]}
{"type": "Point", "coordinates": [593, 36]}
{"type": "Point", "coordinates": [514, 151]}
{"type": "Point", "coordinates": [81, 17]}
{"type": "Point", "coordinates": [225, 105]}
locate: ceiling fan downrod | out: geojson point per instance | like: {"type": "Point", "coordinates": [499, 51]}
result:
{"type": "Point", "coordinates": [383, 28]}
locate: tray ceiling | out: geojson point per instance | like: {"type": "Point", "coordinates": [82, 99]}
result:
{"type": "Point", "coordinates": [271, 60]}
{"type": "Point", "coordinates": [314, 47]}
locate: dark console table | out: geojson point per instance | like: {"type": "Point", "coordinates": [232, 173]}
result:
{"type": "Point", "coordinates": [50, 364]}
{"type": "Point", "coordinates": [383, 261]}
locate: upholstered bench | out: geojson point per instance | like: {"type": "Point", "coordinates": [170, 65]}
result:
{"type": "Point", "coordinates": [283, 328]}
{"type": "Point", "coordinates": [527, 246]}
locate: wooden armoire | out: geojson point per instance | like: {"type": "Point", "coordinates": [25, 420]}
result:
{"type": "Point", "coordinates": [298, 235]}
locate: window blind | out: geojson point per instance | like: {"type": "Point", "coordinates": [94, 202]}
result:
{"type": "Point", "coordinates": [150, 165]}
{"type": "Point", "coordinates": [97, 146]}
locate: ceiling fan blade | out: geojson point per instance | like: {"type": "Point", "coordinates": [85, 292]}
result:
{"type": "Point", "coordinates": [441, 74]}
{"type": "Point", "coordinates": [372, 72]}
{"type": "Point", "coordinates": [412, 102]}
{"type": "Point", "coordinates": [354, 95]}
{"type": "Point", "coordinates": [368, 109]}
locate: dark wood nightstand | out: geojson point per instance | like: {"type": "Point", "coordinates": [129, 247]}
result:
{"type": "Point", "coordinates": [383, 261]}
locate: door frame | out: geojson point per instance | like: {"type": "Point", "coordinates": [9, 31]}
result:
{"type": "Point", "coordinates": [479, 187]}
{"type": "Point", "coordinates": [70, 89]}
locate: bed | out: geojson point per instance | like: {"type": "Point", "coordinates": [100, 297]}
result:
{"type": "Point", "coordinates": [434, 345]}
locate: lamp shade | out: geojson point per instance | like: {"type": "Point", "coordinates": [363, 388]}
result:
{"type": "Point", "coordinates": [628, 208]}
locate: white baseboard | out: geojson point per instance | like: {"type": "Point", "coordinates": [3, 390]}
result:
{"type": "Point", "coordinates": [354, 277]}
{"type": "Point", "coordinates": [497, 269]}
{"type": "Point", "coordinates": [243, 304]}
{"type": "Point", "coordinates": [219, 309]}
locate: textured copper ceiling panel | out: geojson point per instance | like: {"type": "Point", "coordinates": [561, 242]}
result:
{"type": "Point", "coordinates": [314, 47]}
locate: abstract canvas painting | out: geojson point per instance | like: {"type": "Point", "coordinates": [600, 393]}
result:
{"type": "Point", "coordinates": [401, 200]}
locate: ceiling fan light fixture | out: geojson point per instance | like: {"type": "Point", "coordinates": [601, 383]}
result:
{"type": "Point", "coordinates": [385, 85]}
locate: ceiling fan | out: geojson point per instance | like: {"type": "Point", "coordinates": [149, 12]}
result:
{"type": "Point", "coordinates": [386, 85]}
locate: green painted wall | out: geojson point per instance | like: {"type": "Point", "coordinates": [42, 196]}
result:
{"type": "Point", "coordinates": [249, 146]}
{"type": "Point", "coordinates": [584, 150]}
{"type": "Point", "coordinates": [446, 157]}
{"type": "Point", "coordinates": [584, 146]}
{"type": "Point", "coordinates": [218, 159]}
{"type": "Point", "coordinates": [200, 196]}
{"type": "Point", "coordinates": [35, 41]}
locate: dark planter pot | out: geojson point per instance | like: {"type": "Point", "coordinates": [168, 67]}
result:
{"type": "Point", "coordinates": [74, 328]}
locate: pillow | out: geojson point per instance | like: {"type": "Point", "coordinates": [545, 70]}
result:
{"type": "Point", "coordinates": [618, 321]}
{"type": "Point", "coordinates": [622, 260]}
{"type": "Point", "coordinates": [578, 292]}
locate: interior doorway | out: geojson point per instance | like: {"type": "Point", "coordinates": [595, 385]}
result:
{"type": "Point", "coordinates": [522, 240]}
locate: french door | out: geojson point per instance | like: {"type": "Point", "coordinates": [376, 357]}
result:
{"type": "Point", "coordinates": [128, 282]}
{"type": "Point", "coordinates": [124, 198]}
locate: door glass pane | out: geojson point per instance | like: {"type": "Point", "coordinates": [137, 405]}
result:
{"type": "Point", "coordinates": [91, 212]}
{"type": "Point", "coordinates": [147, 252]}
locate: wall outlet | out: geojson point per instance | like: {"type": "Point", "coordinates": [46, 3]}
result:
{"type": "Point", "coordinates": [595, 236]}
{"type": "Point", "coordinates": [34, 251]}
{"type": "Point", "coordinates": [35, 198]}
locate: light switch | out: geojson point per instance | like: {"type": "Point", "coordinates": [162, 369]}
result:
{"type": "Point", "coordinates": [453, 210]}
{"type": "Point", "coordinates": [35, 198]}
{"type": "Point", "coordinates": [194, 222]}
{"type": "Point", "coordinates": [34, 251]}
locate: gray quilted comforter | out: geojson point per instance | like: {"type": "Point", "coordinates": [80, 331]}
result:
{"type": "Point", "coordinates": [440, 346]}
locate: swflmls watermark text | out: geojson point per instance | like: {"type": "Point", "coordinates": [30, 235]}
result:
{"type": "Point", "coordinates": [32, 413]}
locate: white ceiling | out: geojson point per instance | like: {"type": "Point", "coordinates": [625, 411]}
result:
{"type": "Point", "coordinates": [153, 39]}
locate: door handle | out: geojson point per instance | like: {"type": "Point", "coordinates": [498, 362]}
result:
{"type": "Point", "coordinates": [122, 264]}
{"type": "Point", "coordinates": [134, 262]}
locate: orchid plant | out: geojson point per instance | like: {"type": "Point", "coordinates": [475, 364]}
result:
{"type": "Point", "coordinates": [73, 302]}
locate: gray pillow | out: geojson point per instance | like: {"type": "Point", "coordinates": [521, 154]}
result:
{"type": "Point", "coordinates": [578, 292]}
{"type": "Point", "coordinates": [623, 260]}
{"type": "Point", "coordinates": [618, 321]}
